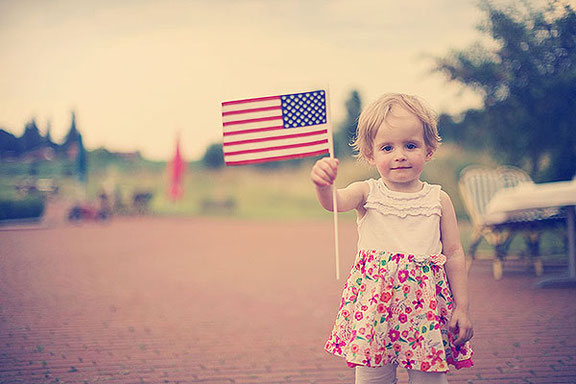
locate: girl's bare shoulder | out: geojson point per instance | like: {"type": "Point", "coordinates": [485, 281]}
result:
{"type": "Point", "coordinates": [360, 187]}
{"type": "Point", "coordinates": [358, 193]}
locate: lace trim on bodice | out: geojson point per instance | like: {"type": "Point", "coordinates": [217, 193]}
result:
{"type": "Point", "coordinates": [425, 202]}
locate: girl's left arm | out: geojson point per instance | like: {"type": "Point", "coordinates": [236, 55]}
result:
{"type": "Point", "coordinates": [455, 266]}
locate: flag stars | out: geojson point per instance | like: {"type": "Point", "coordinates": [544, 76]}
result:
{"type": "Point", "coordinates": [304, 109]}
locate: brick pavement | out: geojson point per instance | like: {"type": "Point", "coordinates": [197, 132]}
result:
{"type": "Point", "coordinates": [164, 300]}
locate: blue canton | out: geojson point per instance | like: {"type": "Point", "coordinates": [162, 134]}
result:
{"type": "Point", "coordinates": [304, 109]}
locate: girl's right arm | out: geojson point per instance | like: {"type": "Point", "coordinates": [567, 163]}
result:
{"type": "Point", "coordinates": [352, 197]}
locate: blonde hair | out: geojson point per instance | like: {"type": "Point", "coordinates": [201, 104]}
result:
{"type": "Point", "coordinates": [376, 113]}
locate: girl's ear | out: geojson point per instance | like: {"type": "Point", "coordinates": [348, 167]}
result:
{"type": "Point", "coordinates": [370, 158]}
{"type": "Point", "coordinates": [430, 154]}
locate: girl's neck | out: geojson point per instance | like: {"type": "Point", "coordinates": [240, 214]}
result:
{"type": "Point", "coordinates": [410, 187]}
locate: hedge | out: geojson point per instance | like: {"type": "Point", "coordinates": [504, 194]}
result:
{"type": "Point", "coordinates": [26, 208]}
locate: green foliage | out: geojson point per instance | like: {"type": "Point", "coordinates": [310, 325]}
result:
{"type": "Point", "coordinates": [11, 147]}
{"type": "Point", "coordinates": [9, 144]}
{"type": "Point", "coordinates": [213, 157]}
{"type": "Point", "coordinates": [26, 208]}
{"type": "Point", "coordinates": [101, 160]}
{"type": "Point", "coordinates": [31, 138]}
{"type": "Point", "coordinates": [528, 82]}
{"type": "Point", "coordinates": [72, 135]}
{"type": "Point", "coordinates": [464, 131]}
{"type": "Point", "coordinates": [347, 130]}
{"type": "Point", "coordinates": [81, 161]}
{"type": "Point", "coordinates": [100, 156]}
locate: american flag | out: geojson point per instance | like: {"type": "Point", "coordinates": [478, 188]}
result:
{"type": "Point", "coordinates": [275, 128]}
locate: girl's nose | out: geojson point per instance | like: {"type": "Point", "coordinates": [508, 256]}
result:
{"type": "Point", "coordinates": [400, 156]}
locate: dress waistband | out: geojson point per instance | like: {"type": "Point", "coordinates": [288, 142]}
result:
{"type": "Point", "coordinates": [434, 259]}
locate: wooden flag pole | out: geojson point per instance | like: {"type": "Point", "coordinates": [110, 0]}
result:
{"type": "Point", "coordinates": [334, 198]}
{"type": "Point", "coordinates": [337, 252]}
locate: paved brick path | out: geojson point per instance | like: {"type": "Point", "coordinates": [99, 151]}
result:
{"type": "Point", "coordinates": [164, 300]}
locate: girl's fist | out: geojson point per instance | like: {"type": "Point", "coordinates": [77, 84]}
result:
{"type": "Point", "coordinates": [324, 172]}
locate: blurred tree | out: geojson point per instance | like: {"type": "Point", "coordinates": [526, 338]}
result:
{"type": "Point", "coordinates": [448, 128]}
{"type": "Point", "coordinates": [293, 163]}
{"type": "Point", "coordinates": [213, 157]}
{"type": "Point", "coordinates": [72, 135]}
{"type": "Point", "coordinates": [48, 137]}
{"type": "Point", "coordinates": [31, 138]}
{"type": "Point", "coordinates": [465, 130]}
{"type": "Point", "coordinates": [9, 144]}
{"type": "Point", "coordinates": [528, 81]}
{"type": "Point", "coordinates": [347, 130]}
{"type": "Point", "coordinates": [81, 161]}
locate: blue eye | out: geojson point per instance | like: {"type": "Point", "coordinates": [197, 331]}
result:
{"type": "Point", "coordinates": [387, 148]}
{"type": "Point", "coordinates": [411, 146]}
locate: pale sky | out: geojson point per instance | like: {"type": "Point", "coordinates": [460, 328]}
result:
{"type": "Point", "coordinates": [138, 72]}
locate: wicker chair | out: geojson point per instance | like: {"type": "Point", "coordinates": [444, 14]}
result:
{"type": "Point", "coordinates": [477, 187]}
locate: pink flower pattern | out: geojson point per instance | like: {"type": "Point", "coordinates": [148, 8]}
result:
{"type": "Point", "coordinates": [396, 309]}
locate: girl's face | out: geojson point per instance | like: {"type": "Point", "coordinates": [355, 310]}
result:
{"type": "Point", "coordinates": [399, 151]}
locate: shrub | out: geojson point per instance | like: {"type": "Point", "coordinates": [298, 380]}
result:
{"type": "Point", "coordinates": [26, 208]}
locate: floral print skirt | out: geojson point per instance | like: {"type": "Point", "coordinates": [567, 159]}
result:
{"type": "Point", "coordinates": [395, 310]}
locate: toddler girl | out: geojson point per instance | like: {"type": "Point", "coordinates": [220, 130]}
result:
{"type": "Point", "coordinates": [405, 302]}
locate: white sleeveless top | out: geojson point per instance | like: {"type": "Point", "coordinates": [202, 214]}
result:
{"type": "Point", "coordinates": [401, 222]}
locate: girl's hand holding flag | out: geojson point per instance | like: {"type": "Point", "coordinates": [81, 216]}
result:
{"type": "Point", "coordinates": [324, 172]}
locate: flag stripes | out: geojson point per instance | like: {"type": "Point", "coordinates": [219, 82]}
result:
{"type": "Point", "coordinates": [260, 100]}
{"type": "Point", "coordinates": [297, 145]}
{"type": "Point", "coordinates": [275, 128]}
{"type": "Point", "coordinates": [272, 132]}
{"type": "Point", "coordinates": [254, 110]}
{"type": "Point", "coordinates": [263, 138]}
{"type": "Point", "coordinates": [247, 121]}
{"type": "Point", "coordinates": [276, 158]}
{"type": "Point", "coordinates": [255, 130]}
